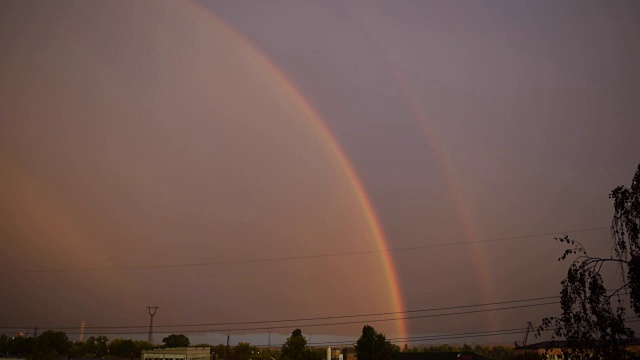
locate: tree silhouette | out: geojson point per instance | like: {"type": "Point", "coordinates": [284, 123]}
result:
{"type": "Point", "coordinates": [176, 340]}
{"type": "Point", "coordinates": [593, 318]}
{"type": "Point", "coordinates": [295, 346]}
{"type": "Point", "coordinates": [374, 346]}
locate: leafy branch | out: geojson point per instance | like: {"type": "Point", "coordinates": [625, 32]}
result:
{"type": "Point", "coordinates": [592, 320]}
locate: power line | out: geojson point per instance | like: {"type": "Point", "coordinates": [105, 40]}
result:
{"type": "Point", "coordinates": [438, 337]}
{"type": "Point", "coordinates": [482, 333]}
{"type": "Point", "coordinates": [478, 334]}
{"type": "Point", "coordinates": [315, 318]}
{"type": "Point", "coordinates": [423, 337]}
{"type": "Point", "coordinates": [300, 257]}
{"type": "Point", "coordinates": [351, 322]}
{"type": "Point", "coordinates": [434, 337]}
{"type": "Point", "coordinates": [460, 335]}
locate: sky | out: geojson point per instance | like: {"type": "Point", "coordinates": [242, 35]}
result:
{"type": "Point", "coordinates": [240, 162]}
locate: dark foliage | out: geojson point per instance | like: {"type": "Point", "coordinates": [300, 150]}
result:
{"type": "Point", "coordinates": [374, 346]}
{"type": "Point", "coordinates": [594, 315]}
{"type": "Point", "coordinates": [295, 348]}
{"type": "Point", "coordinates": [123, 348]}
{"type": "Point", "coordinates": [176, 340]}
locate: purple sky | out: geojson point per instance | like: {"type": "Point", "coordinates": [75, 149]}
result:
{"type": "Point", "coordinates": [151, 134]}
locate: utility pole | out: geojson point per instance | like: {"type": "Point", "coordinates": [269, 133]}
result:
{"type": "Point", "coordinates": [152, 312]}
{"type": "Point", "coordinates": [227, 354]}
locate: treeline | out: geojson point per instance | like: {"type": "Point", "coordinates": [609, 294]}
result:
{"type": "Point", "coordinates": [51, 345]}
{"type": "Point", "coordinates": [498, 352]}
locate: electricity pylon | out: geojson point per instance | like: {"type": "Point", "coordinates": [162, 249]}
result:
{"type": "Point", "coordinates": [152, 312]}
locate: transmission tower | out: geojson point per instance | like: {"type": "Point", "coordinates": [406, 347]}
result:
{"type": "Point", "coordinates": [152, 312]}
{"type": "Point", "coordinates": [526, 335]}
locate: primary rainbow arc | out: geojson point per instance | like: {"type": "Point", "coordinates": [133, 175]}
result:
{"type": "Point", "coordinates": [363, 199]}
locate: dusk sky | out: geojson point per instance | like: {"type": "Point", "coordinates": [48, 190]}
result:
{"type": "Point", "coordinates": [245, 161]}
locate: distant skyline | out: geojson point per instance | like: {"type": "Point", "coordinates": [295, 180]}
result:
{"type": "Point", "coordinates": [235, 162]}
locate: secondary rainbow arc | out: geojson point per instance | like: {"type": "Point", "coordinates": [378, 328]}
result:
{"type": "Point", "coordinates": [444, 160]}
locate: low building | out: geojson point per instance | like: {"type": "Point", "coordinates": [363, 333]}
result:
{"type": "Point", "coordinates": [552, 350]}
{"type": "Point", "coordinates": [179, 353]}
{"type": "Point", "coordinates": [428, 355]}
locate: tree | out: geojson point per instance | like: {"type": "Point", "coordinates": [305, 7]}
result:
{"type": "Point", "coordinates": [77, 349]}
{"type": "Point", "coordinates": [295, 346]}
{"type": "Point", "coordinates": [441, 348]}
{"type": "Point", "coordinates": [122, 348]}
{"type": "Point", "coordinates": [4, 344]}
{"type": "Point", "coordinates": [20, 345]}
{"type": "Point", "coordinates": [374, 346]}
{"type": "Point", "coordinates": [267, 354]}
{"type": "Point", "coordinates": [244, 351]}
{"type": "Point", "coordinates": [593, 318]}
{"type": "Point", "coordinates": [50, 344]}
{"type": "Point", "coordinates": [220, 351]}
{"type": "Point", "coordinates": [98, 345]}
{"type": "Point", "coordinates": [141, 345]}
{"type": "Point", "coordinates": [311, 353]}
{"type": "Point", "coordinates": [176, 340]}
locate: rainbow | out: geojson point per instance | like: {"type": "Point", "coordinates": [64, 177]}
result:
{"type": "Point", "coordinates": [445, 162]}
{"type": "Point", "coordinates": [469, 227]}
{"type": "Point", "coordinates": [365, 203]}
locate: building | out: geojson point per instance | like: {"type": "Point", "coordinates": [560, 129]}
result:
{"type": "Point", "coordinates": [552, 350]}
{"type": "Point", "coordinates": [452, 355]}
{"type": "Point", "coordinates": [179, 353]}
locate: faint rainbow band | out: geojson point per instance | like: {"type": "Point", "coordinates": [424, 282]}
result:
{"type": "Point", "coordinates": [469, 227]}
